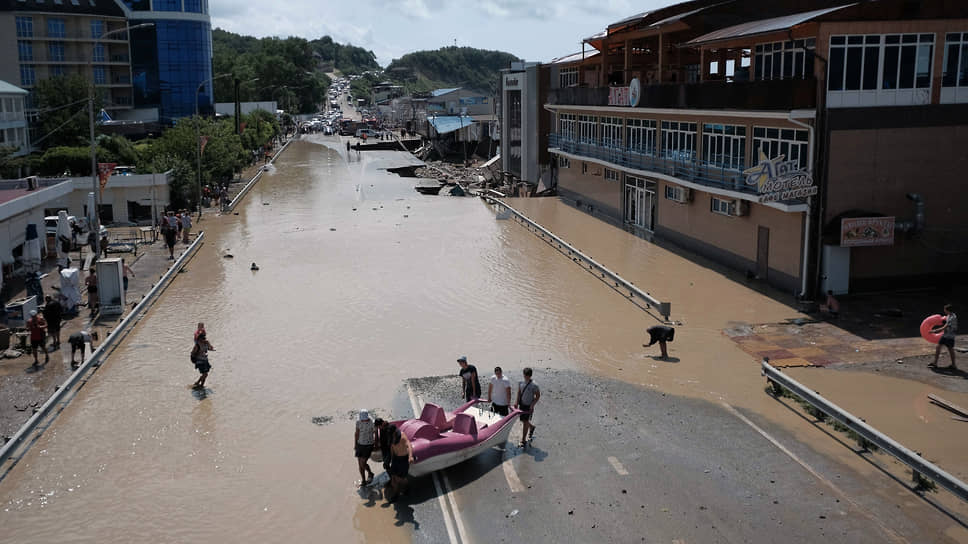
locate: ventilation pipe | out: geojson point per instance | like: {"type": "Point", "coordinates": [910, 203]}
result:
{"type": "Point", "coordinates": [915, 225]}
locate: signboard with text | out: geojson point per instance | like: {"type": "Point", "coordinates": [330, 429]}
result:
{"type": "Point", "coordinates": [866, 231]}
{"type": "Point", "coordinates": [779, 180]}
{"type": "Point", "coordinates": [618, 96]}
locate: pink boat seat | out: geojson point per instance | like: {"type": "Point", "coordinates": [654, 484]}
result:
{"type": "Point", "coordinates": [434, 415]}
{"type": "Point", "coordinates": [415, 429]}
{"type": "Point", "coordinates": [465, 424]}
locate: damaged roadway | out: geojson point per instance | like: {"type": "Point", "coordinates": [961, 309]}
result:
{"type": "Point", "coordinates": [614, 462]}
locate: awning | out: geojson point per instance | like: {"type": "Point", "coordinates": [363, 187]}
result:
{"type": "Point", "coordinates": [763, 26]}
{"type": "Point", "coordinates": [575, 57]}
{"type": "Point", "coordinates": [450, 123]}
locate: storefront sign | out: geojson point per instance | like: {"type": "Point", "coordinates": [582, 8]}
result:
{"type": "Point", "coordinates": [866, 231]}
{"type": "Point", "coordinates": [512, 83]}
{"type": "Point", "coordinates": [635, 92]}
{"type": "Point", "coordinates": [778, 180]}
{"type": "Point", "coordinates": [618, 96]}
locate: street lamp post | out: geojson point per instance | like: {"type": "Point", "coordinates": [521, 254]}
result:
{"type": "Point", "coordinates": [95, 214]}
{"type": "Point", "coordinates": [198, 139]}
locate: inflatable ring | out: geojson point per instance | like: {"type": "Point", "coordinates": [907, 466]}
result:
{"type": "Point", "coordinates": [929, 323]}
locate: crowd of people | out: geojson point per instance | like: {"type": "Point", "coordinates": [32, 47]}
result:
{"type": "Point", "coordinates": [175, 227]}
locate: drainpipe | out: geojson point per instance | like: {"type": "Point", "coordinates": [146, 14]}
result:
{"type": "Point", "coordinates": [806, 229]}
{"type": "Point", "coordinates": [914, 225]}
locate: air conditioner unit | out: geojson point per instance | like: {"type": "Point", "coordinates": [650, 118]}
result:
{"type": "Point", "coordinates": [683, 195]}
{"type": "Point", "coordinates": [739, 208]}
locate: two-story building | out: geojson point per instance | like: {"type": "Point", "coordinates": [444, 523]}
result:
{"type": "Point", "coordinates": [13, 119]}
{"type": "Point", "coordinates": [812, 144]}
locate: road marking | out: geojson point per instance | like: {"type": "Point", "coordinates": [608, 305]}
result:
{"type": "Point", "coordinates": [866, 513]}
{"type": "Point", "coordinates": [442, 496]}
{"type": "Point", "coordinates": [510, 474]}
{"type": "Point", "coordinates": [617, 465]}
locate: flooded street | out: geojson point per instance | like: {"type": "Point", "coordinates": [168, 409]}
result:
{"type": "Point", "coordinates": [363, 283]}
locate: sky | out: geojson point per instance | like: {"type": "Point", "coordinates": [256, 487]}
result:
{"type": "Point", "coordinates": [535, 30]}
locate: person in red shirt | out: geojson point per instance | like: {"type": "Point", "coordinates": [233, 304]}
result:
{"type": "Point", "coordinates": [38, 336]}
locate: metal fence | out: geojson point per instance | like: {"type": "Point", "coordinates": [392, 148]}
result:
{"type": "Point", "coordinates": [916, 462]}
{"type": "Point", "coordinates": [99, 354]}
{"type": "Point", "coordinates": [618, 282]}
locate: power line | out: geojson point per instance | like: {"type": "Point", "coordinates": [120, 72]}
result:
{"type": "Point", "coordinates": [49, 134]}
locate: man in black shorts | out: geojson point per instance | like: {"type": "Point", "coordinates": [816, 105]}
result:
{"type": "Point", "coordinates": [948, 332]}
{"type": "Point", "coordinates": [528, 396]}
{"type": "Point", "coordinates": [77, 342]}
{"type": "Point", "coordinates": [660, 334]}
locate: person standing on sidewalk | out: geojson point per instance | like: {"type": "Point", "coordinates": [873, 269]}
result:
{"type": "Point", "coordinates": [38, 336]}
{"type": "Point", "coordinates": [125, 270]}
{"type": "Point", "coordinates": [170, 233]}
{"type": "Point", "coordinates": [53, 313]}
{"type": "Point", "coordinates": [499, 392]}
{"type": "Point", "coordinates": [528, 396]}
{"type": "Point", "coordinates": [186, 226]}
{"type": "Point", "coordinates": [948, 330]}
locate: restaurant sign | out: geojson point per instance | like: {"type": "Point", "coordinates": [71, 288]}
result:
{"type": "Point", "coordinates": [866, 231]}
{"type": "Point", "coordinates": [625, 96]}
{"type": "Point", "coordinates": [778, 180]}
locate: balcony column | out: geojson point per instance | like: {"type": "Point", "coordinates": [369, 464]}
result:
{"type": "Point", "coordinates": [702, 64]}
{"type": "Point", "coordinates": [601, 71]}
{"type": "Point", "coordinates": [659, 72]}
{"type": "Point", "coordinates": [625, 71]}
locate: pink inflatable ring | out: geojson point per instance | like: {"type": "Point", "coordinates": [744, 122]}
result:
{"type": "Point", "coordinates": [929, 323]}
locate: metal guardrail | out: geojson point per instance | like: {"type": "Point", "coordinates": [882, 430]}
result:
{"type": "Point", "coordinates": [256, 178]}
{"type": "Point", "coordinates": [664, 308]}
{"type": "Point", "coordinates": [100, 353]}
{"type": "Point", "coordinates": [918, 464]}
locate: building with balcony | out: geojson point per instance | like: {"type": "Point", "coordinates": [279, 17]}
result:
{"type": "Point", "coordinates": [43, 39]}
{"type": "Point", "coordinates": [13, 120]}
{"type": "Point", "coordinates": [781, 138]}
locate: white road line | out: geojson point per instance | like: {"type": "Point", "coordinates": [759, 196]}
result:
{"type": "Point", "coordinates": [866, 513]}
{"type": "Point", "coordinates": [446, 494]}
{"type": "Point", "coordinates": [511, 475]}
{"type": "Point", "coordinates": [617, 465]}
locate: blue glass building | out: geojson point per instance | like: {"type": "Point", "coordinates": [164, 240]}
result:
{"type": "Point", "coordinates": [171, 59]}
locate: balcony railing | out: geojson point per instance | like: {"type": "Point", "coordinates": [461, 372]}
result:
{"type": "Point", "coordinates": [685, 166]}
{"type": "Point", "coordinates": [774, 94]}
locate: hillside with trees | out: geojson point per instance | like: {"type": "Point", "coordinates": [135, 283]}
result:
{"type": "Point", "coordinates": [348, 59]}
{"type": "Point", "coordinates": [423, 71]}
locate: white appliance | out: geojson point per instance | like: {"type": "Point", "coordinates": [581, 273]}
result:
{"type": "Point", "coordinates": [110, 286]}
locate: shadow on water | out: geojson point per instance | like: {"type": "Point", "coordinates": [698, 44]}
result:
{"type": "Point", "coordinates": [664, 359]}
{"type": "Point", "coordinates": [201, 393]}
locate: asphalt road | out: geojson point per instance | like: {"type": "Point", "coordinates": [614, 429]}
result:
{"type": "Point", "coordinates": [612, 462]}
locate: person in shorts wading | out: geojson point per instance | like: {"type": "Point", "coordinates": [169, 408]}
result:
{"type": "Point", "coordinates": [363, 445]}
{"type": "Point", "coordinates": [200, 358]}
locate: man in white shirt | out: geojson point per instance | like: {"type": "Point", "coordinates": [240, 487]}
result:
{"type": "Point", "coordinates": [499, 392]}
{"type": "Point", "coordinates": [186, 222]}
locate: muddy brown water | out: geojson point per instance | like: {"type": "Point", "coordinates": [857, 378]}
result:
{"type": "Point", "coordinates": [362, 283]}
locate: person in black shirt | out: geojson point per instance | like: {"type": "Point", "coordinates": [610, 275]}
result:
{"type": "Point", "coordinates": [660, 334]}
{"type": "Point", "coordinates": [53, 313]}
{"type": "Point", "coordinates": [468, 373]}
{"type": "Point", "coordinates": [384, 433]}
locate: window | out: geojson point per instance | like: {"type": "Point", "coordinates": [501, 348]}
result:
{"type": "Point", "coordinates": [25, 51]}
{"type": "Point", "coordinates": [27, 76]}
{"type": "Point", "coordinates": [567, 77]}
{"type": "Point", "coordinates": [640, 136]}
{"type": "Point", "coordinates": [676, 193]}
{"type": "Point", "coordinates": [566, 126]}
{"type": "Point", "coordinates": [98, 54]}
{"type": "Point", "coordinates": [724, 146]}
{"type": "Point", "coordinates": [167, 5]}
{"type": "Point", "coordinates": [588, 129]}
{"type": "Point", "coordinates": [100, 75]}
{"type": "Point", "coordinates": [876, 62]}
{"type": "Point", "coordinates": [97, 28]}
{"type": "Point", "coordinates": [193, 6]}
{"type": "Point", "coordinates": [678, 140]}
{"type": "Point", "coordinates": [612, 131]}
{"type": "Point", "coordinates": [563, 162]}
{"type": "Point", "coordinates": [57, 70]}
{"type": "Point", "coordinates": [55, 51]}
{"type": "Point", "coordinates": [612, 175]}
{"type": "Point", "coordinates": [955, 60]}
{"type": "Point", "coordinates": [794, 145]}
{"type": "Point", "coordinates": [56, 28]}
{"type": "Point", "coordinates": [25, 27]}
{"type": "Point", "coordinates": [784, 60]}
{"type": "Point", "coordinates": [719, 205]}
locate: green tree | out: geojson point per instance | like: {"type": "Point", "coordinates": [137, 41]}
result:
{"type": "Point", "coordinates": [61, 124]}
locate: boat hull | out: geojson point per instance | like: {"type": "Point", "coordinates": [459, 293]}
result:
{"type": "Point", "coordinates": [444, 460]}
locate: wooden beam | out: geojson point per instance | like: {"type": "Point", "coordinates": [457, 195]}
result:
{"type": "Point", "coordinates": [949, 405]}
{"type": "Point", "coordinates": [660, 57]}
